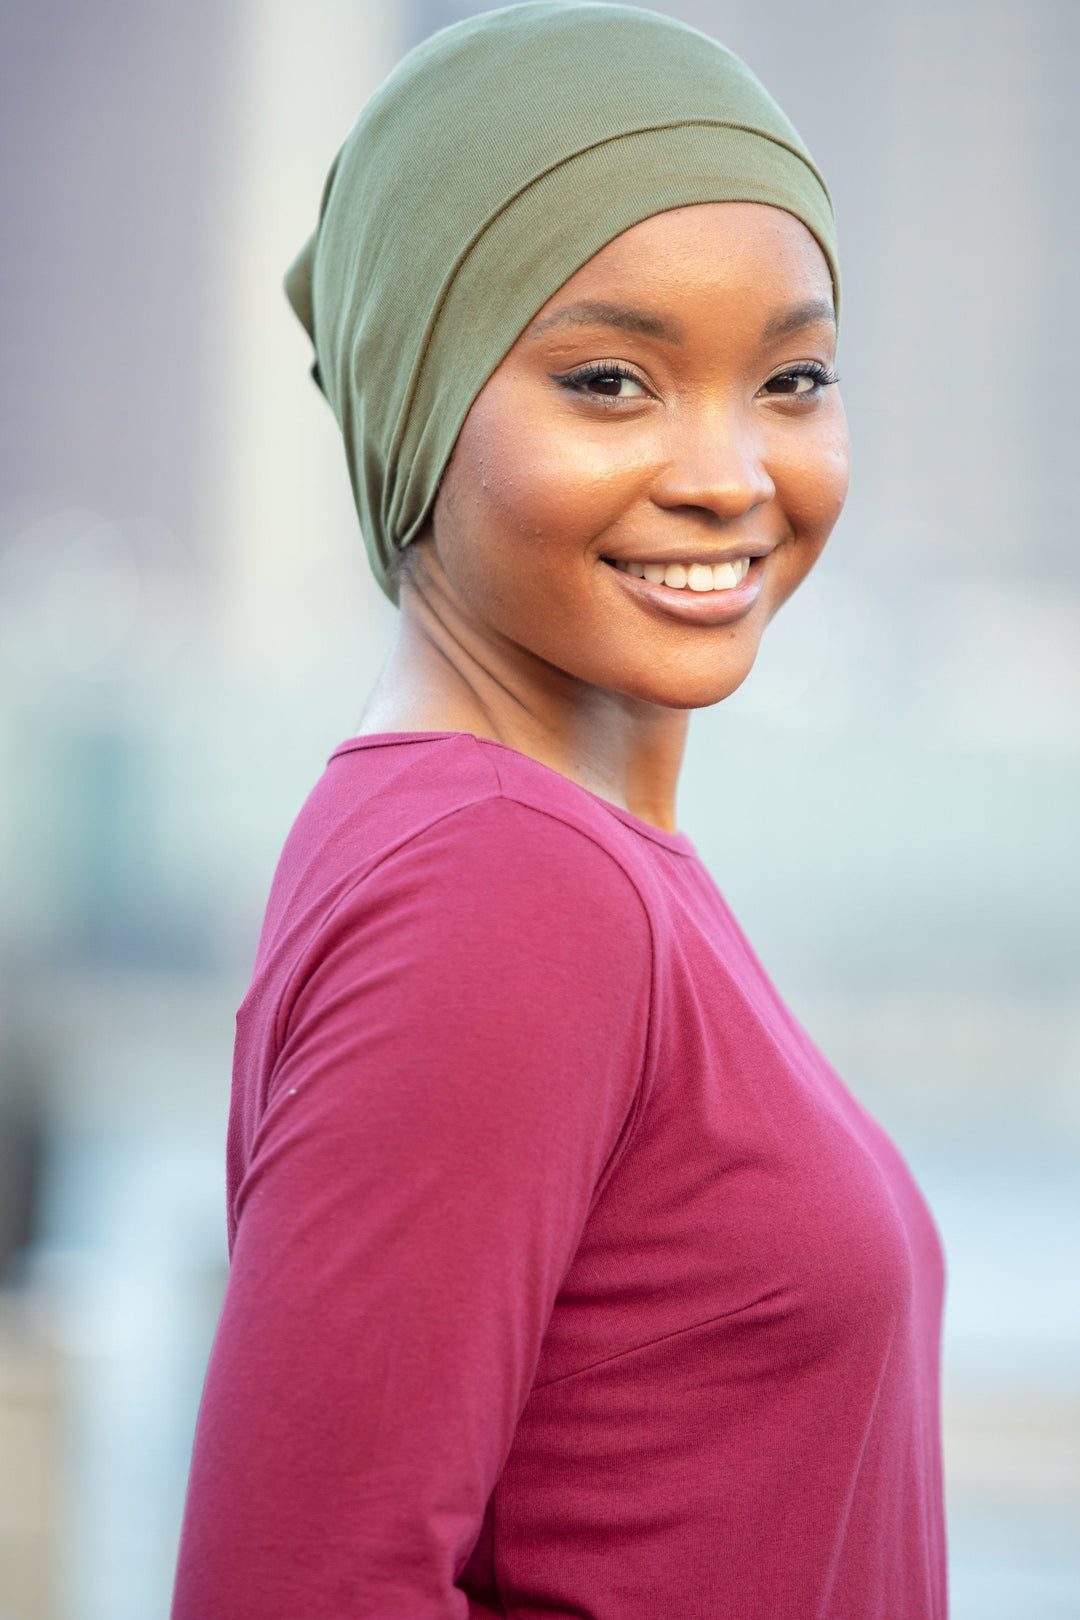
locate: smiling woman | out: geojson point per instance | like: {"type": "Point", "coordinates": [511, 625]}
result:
{"type": "Point", "coordinates": [568, 1279]}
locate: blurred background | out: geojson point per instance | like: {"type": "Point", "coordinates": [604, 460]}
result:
{"type": "Point", "coordinates": [187, 628]}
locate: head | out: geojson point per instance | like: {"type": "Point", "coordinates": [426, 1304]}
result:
{"type": "Point", "coordinates": [572, 299]}
{"type": "Point", "coordinates": [671, 407]}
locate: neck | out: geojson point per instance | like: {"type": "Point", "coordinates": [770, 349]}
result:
{"type": "Point", "coordinates": [445, 674]}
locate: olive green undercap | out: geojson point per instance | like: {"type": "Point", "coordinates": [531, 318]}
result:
{"type": "Point", "coordinates": [497, 158]}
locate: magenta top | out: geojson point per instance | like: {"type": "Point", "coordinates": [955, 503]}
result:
{"type": "Point", "coordinates": [567, 1278]}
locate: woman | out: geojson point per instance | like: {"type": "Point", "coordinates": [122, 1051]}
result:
{"type": "Point", "coordinates": [567, 1278]}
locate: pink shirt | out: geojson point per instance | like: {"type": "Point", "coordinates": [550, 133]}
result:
{"type": "Point", "coordinates": [567, 1277]}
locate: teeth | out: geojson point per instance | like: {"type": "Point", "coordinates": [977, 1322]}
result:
{"type": "Point", "coordinates": [695, 576]}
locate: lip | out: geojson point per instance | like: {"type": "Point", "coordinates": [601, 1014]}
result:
{"type": "Point", "coordinates": [699, 607]}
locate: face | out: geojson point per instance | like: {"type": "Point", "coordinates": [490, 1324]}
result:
{"type": "Point", "coordinates": [658, 461]}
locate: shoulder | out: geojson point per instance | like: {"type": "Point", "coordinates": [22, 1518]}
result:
{"type": "Point", "coordinates": [450, 845]}
{"type": "Point", "coordinates": [450, 803]}
{"type": "Point", "coordinates": [495, 915]}
{"type": "Point", "coordinates": [504, 858]}
{"type": "Point", "coordinates": [445, 837]}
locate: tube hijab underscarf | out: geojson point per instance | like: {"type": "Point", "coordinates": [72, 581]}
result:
{"type": "Point", "coordinates": [497, 158]}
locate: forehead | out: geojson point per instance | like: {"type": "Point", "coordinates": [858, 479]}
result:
{"type": "Point", "coordinates": [686, 263]}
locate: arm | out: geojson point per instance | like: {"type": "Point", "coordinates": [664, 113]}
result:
{"type": "Point", "coordinates": [457, 1070]}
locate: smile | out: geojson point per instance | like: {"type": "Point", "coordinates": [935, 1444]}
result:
{"type": "Point", "coordinates": [702, 594]}
{"type": "Point", "coordinates": [689, 576]}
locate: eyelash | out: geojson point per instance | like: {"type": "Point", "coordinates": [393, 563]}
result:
{"type": "Point", "coordinates": [578, 379]}
{"type": "Point", "coordinates": [823, 376]}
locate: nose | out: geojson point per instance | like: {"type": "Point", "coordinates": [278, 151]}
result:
{"type": "Point", "coordinates": [716, 465]}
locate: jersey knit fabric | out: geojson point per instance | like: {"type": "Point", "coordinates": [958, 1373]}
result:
{"type": "Point", "coordinates": [567, 1278]}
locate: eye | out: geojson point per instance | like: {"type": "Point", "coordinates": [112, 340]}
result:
{"type": "Point", "coordinates": [808, 377]}
{"type": "Point", "coordinates": [607, 381]}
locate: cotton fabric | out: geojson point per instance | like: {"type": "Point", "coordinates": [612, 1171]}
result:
{"type": "Point", "coordinates": [567, 1277]}
{"type": "Point", "coordinates": [500, 156]}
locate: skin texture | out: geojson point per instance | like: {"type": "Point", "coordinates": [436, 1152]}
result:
{"type": "Point", "coordinates": [514, 624]}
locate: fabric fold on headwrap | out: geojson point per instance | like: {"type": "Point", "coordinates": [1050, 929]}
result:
{"type": "Point", "coordinates": [498, 157]}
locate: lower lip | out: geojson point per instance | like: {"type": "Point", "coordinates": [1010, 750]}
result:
{"type": "Point", "coordinates": [697, 607]}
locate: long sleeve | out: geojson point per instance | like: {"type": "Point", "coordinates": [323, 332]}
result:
{"type": "Point", "coordinates": [458, 1060]}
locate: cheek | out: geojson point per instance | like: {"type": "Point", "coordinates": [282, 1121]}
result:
{"type": "Point", "coordinates": [518, 475]}
{"type": "Point", "coordinates": [812, 483]}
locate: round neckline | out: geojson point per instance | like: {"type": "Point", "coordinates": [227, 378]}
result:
{"type": "Point", "coordinates": [677, 842]}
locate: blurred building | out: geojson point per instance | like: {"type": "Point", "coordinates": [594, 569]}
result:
{"type": "Point", "coordinates": [187, 629]}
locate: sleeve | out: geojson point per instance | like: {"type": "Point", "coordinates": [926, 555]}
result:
{"type": "Point", "coordinates": [458, 1066]}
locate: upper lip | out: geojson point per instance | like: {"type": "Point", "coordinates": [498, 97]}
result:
{"type": "Point", "coordinates": [709, 559]}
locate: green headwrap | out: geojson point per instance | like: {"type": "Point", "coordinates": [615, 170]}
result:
{"type": "Point", "coordinates": [496, 159]}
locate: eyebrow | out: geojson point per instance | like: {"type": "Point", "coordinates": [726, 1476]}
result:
{"type": "Point", "coordinates": [591, 312]}
{"type": "Point", "coordinates": [815, 312]}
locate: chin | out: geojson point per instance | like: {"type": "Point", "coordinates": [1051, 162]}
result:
{"type": "Point", "coordinates": [683, 690]}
